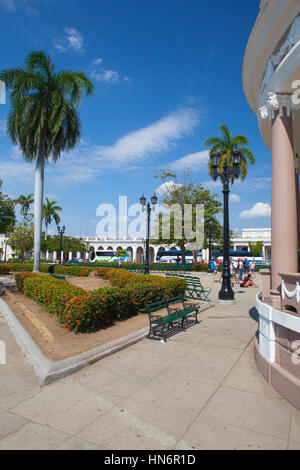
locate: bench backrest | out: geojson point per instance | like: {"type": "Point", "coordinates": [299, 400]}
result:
{"type": "Point", "coordinates": [175, 300]}
{"type": "Point", "coordinates": [154, 306]}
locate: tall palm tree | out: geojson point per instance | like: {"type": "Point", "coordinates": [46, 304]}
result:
{"type": "Point", "coordinates": [43, 119]}
{"type": "Point", "coordinates": [225, 145]}
{"type": "Point", "coordinates": [50, 213]}
{"type": "Point", "coordinates": [25, 203]}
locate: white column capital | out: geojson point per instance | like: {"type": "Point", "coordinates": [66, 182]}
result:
{"type": "Point", "coordinates": [276, 102]}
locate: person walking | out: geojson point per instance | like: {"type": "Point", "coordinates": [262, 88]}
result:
{"type": "Point", "coordinates": [252, 267]}
{"type": "Point", "coordinates": [215, 267]}
{"type": "Point", "coordinates": [241, 269]}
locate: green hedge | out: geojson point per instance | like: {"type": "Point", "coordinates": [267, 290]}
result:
{"type": "Point", "coordinates": [82, 311]}
{"type": "Point", "coordinates": [83, 269]}
{"type": "Point", "coordinates": [4, 270]}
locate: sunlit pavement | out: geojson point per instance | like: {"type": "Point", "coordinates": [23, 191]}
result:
{"type": "Point", "coordinates": [200, 390]}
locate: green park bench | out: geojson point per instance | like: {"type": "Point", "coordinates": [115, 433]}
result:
{"type": "Point", "coordinates": [56, 276]}
{"type": "Point", "coordinates": [194, 290]}
{"type": "Point", "coordinates": [161, 325]}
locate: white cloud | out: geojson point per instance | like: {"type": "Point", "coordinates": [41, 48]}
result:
{"type": "Point", "coordinates": [260, 209]}
{"type": "Point", "coordinates": [248, 185]}
{"type": "Point", "coordinates": [24, 6]}
{"type": "Point", "coordinates": [193, 161]}
{"type": "Point", "coordinates": [155, 138]}
{"type": "Point", "coordinates": [97, 61]}
{"type": "Point", "coordinates": [73, 40]}
{"type": "Point", "coordinates": [100, 73]}
{"type": "Point", "coordinates": [83, 164]}
{"type": "Point", "coordinates": [166, 187]}
{"type": "Point", "coordinates": [108, 76]}
{"type": "Point", "coordinates": [235, 198]}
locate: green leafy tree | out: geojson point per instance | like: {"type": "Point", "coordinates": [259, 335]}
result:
{"type": "Point", "coordinates": [50, 210]}
{"type": "Point", "coordinates": [225, 145]}
{"type": "Point", "coordinates": [25, 203]}
{"type": "Point", "coordinates": [7, 213]}
{"type": "Point", "coordinates": [256, 248]}
{"type": "Point", "coordinates": [70, 244]}
{"type": "Point", "coordinates": [180, 194]}
{"type": "Point", "coordinates": [43, 119]}
{"type": "Point", "coordinates": [21, 239]}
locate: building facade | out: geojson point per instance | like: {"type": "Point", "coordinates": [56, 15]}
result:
{"type": "Point", "coordinates": [253, 235]}
{"type": "Point", "coordinates": [271, 78]}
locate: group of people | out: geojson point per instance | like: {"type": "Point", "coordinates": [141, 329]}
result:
{"type": "Point", "coordinates": [242, 269]}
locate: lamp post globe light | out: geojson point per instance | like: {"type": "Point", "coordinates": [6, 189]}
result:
{"type": "Point", "coordinates": [226, 293]}
{"type": "Point", "coordinates": [149, 209]}
{"type": "Point", "coordinates": [61, 232]}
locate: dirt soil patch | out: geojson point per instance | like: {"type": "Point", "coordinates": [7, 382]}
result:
{"type": "Point", "coordinates": [88, 283]}
{"type": "Point", "coordinates": [56, 342]}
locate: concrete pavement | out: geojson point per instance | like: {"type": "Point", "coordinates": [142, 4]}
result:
{"type": "Point", "coordinates": [200, 390]}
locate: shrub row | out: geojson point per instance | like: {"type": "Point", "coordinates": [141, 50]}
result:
{"type": "Point", "coordinates": [82, 311]}
{"type": "Point", "coordinates": [4, 270]}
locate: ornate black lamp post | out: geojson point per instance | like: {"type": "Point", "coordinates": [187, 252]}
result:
{"type": "Point", "coordinates": [149, 210]}
{"type": "Point", "coordinates": [226, 292]}
{"type": "Point", "coordinates": [61, 232]}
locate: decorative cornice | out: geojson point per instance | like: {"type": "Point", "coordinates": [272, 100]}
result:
{"type": "Point", "coordinates": [276, 102]}
{"type": "Point", "coordinates": [276, 59]}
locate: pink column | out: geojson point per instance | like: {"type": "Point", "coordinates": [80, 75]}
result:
{"type": "Point", "coordinates": [284, 200]}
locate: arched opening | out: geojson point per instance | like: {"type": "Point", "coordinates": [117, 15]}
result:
{"type": "Point", "coordinates": [151, 255]}
{"type": "Point", "coordinates": [110, 248]}
{"type": "Point", "coordinates": [130, 254]}
{"type": "Point", "coordinates": [92, 253]}
{"type": "Point", "coordinates": [100, 248]}
{"type": "Point", "coordinates": [139, 255]}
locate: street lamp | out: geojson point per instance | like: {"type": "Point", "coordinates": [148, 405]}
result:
{"type": "Point", "coordinates": [149, 209]}
{"type": "Point", "coordinates": [226, 293]}
{"type": "Point", "coordinates": [61, 232]}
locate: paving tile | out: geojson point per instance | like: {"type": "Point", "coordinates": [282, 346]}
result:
{"type": "Point", "coordinates": [250, 411]}
{"type": "Point", "coordinates": [65, 405]}
{"type": "Point", "coordinates": [10, 422]}
{"type": "Point", "coordinates": [294, 445]}
{"type": "Point", "coordinates": [213, 435]}
{"type": "Point", "coordinates": [205, 364]}
{"type": "Point", "coordinates": [38, 437]}
{"type": "Point", "coordinates": [176, 394]}
{"type": "Point", "coordinates": [119, 430]}
{"type": "Point", "coordinates": [114, 383]}
{"type": "Point", "coordinates": [295, 426]}
{"type": "Point", "coordinates": [174, 422]}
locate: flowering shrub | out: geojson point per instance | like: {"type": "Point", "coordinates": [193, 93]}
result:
{"type": "Point", "coordinates": [4, 270]}
{"type": "Point", "coordinates": [82, 311]}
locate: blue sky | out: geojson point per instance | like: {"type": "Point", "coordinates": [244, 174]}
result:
{"type": "Point", "coordinates": [167, 75]}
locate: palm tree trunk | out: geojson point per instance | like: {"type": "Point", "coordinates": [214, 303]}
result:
{"type": "Point", "coordinates": [38, 204]}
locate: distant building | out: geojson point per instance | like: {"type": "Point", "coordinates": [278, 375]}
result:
{"type": "Point", "coordinates": [253, 235]}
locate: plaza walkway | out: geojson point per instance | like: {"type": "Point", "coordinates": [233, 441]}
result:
{"type": "Point", "coordinates": [200, 390]}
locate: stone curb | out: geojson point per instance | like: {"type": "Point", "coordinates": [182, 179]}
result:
{"type": "Point", "coordinates": [48, 371]}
